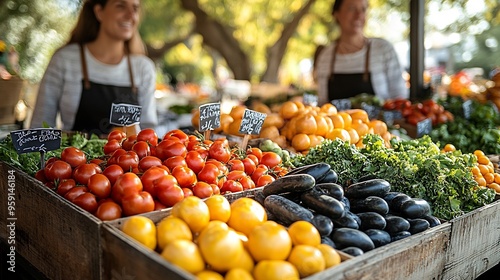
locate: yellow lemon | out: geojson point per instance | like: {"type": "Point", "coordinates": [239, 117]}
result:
{"type": "Point", "coordinates": [275, 270]}
{"type": "Point", "coordinates": [303, 232]}
{"type": "Point", "coordinates": [184, 254]}
{"type": "Point", "coordinates": [307, 259]}
{"type": "Point", "coordinates": [246, 213]}
{"type": "Point", "coordinates": [193, 211]}
{"type": "Point", "coordinates": [171, 229]}
{"type": "Point", "coordinates": [141, 229]}
{"type": "Point", "coordinates": [219, 207]}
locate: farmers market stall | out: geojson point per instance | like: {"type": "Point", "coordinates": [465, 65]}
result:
{"type": "Point", "coordinates": [374, 201]}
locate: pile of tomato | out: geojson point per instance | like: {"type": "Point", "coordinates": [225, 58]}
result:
{"type": "Point", "coordinates": [414, 113]}
{"type": "Point", "coordinates": [142, 172]}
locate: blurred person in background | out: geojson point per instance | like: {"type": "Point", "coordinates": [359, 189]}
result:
{"type": "Point", "coordinates": [104, 62]}
{"type": "Point", "coordinates": [355, 64]}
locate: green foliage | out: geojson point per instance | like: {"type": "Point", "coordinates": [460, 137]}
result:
{"type": "Point", "coordinates": [415, 167]}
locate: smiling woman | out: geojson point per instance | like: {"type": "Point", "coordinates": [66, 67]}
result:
{"type": "Point", "coordinates": [103, 63]}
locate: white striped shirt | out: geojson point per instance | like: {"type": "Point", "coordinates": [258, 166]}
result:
{"type": "Point", "coordinates": [385, 69]}
{"type": "Point", "coordinates": [61, 86]}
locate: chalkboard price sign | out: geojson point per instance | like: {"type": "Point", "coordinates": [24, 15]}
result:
{"type": "Point", "coordinates": [467, 109]}
{"type": "Point", "coordinates": [310, 99]}
{"type": "Point", "coordinates": [390, 116]}
{"type": "Point", "coordinates": [252, 122]}
{"type": "Point", "coordinates": [125, 114]}
{"type": "Point", "coordinates": [36, 140]}
{"type": "Point", "coordinates": [342, 104]}
{"type": "Point", "coordinates": [424, 127]}
{"type": "Point", "coordinates": [372, 111]}
{"type": "Point", "coordinates": [209, 116]}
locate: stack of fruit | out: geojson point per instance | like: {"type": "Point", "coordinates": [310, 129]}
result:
{"type": "Point", "coordinates": [216, 239]}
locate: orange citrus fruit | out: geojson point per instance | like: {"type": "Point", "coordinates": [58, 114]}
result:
{"type": "Point", "coordinates": [170, 229]}
{"type": "Point", "coordinates": [193, 211]}
{"type": "Point", "coordinates": [340, 133]}
{"type": "Point", "coordinates": [275, 270]}
{"type": "Point", "coordinates": [219, 207]}
{"type": "Point", "coordinates": [185, 254]}
{"type": "Point", "coordinates": [238, 274]}
{"type": "Point", "coordinates": [209, 275]}
{"type": "Point", "coordinates": [269, 241]}
{"type": "Point", "coordinates": [347, 119]}
{"type": "Point", "coordinates": [304, 233]}
{"type": "Point", "coordinates": [246, 213]}
{"type": "Point", "coordinates": [307, 259]}
{"type": "Point", "coordinates": [331, 256]}
{"type": "Point", "coordinates": [301, 142]}
{"type": "Point", "coordinates": [141, 229]}
{"type": "Point", "coordinates": [306, 124]}
{"type": "Point", "coordinates": [288, 110]}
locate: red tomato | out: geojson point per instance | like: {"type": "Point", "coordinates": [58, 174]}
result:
{"type": "Point", "coordinates": [202, 150]}
{"type": "Point", "coordinates": [249, 165]}
{"type": "Point", "coordinates": [150, 176]}
{"type": "Point", "coordinates": [82, 173]}
{"type": "Point", "coordinates": [40, 176]}
{"type": "Point", "coordinates": [129, 142]}
{"type": "Point", "coordinates": [264, 180]}
{"type": "Point", "coordinates": [254, 159]}
{"type": "Point", "coordinates": [170, 147]}
{"type": "Point", "coordinates": [235, 175]}
{"type": "Point", "coordinates": [174, 161]}
{"type": "Point", "coordinates": [203, 190]}
{"type": "Point", "coordinates": [222, 167]}
{"type": "Point", "coordinates": [73, 156]}
{"type": "Point", "coordinates": [65, 185]}
{"type": "Point", "coordinates": [99, 185]}
{"type": "Point", "coordinates": [209, 173]}
{"type": "Point", "coordinates": [137, 203]}
{"type": "Point", "coordinates": [126, 185]}
{"type": "Point", "coordinates": [219, 150]}
{"type": "Point", "coordinates": [194, 161]}
{"type": "Point", "coordinates": [231, 186]}
{"type": "Point", "coordinates": [147, 162]}
{"type": "Point", "coordinates": [159, 205]}
{"type": "Point", "coordinates": [118, 135]}
{"type": "Point", "coordinates": [128, 161]}
{"type": "Point", "coordinates": [57, 170]}
{"type": "Point", "coordinates": [259, 171]}
{"type": "Point", "coordinates": [215, 189]}
{"type": "Point", "coordinates": [87, 201]}
{"type": "Point", "coordinates": [236, 164]}
{"type": "Point", "coordinates": [111, 146]}
{"type": "Point", "coordinates": [141, 148]}
{"type": "Point", "coordinates": [114, 156]}
{"type": "Point", "coordinates": [185, 176]}
{"type": "Point", "coordinates": [113, 171]}
{"type": "Point", "coordinates": [256, 152]}
{"type": "Point", "coordinates": [187, 192]}
{"type": "Point", "coordinates": [148, 135]}
{"type": "Point", "coordinates": [108, 211]}
{"type": "Point", "coordinates": [179, 134]}
{"type": "Point", "coordinates": [96, 161]}
{"type": "Point", "coordinates": [247, 183]}
{"type": "Point", "coordinates": [51, 160]}
{"type": "Point", "coordinates": [270, 159]}
{"type": "Point", "coordinates": [75, 192]}
{"type": "Point", "coordinates": [168, 191]}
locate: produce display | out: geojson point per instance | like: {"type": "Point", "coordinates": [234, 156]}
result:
{"type": "Point", "coordinates": [416, 167]}
{"type": "Point", "coordinates": [216, 239]}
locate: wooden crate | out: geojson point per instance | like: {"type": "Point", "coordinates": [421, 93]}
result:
{"type": "Point", "coordinates": [58, 238]}
{"type": "Point", "coordinates": [474, 244]}
{"type": "Point", "coordinates": [420, 256]}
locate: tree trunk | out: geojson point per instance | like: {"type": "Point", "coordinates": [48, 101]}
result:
{"type": "Point", "coordinates": [157, 54]}
{"type": "Point", "coordinates": [218, 37]}
{"type": "Point", "coordinates": [277, 51]}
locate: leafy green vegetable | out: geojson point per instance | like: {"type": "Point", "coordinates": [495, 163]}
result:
{"type": "Point", "coordinates": [30, 162]}
{"type": "Point", "coordinates": [415, 167]}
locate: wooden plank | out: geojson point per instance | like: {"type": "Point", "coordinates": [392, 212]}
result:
{"type": "Point", "coordinates": [124, 258]}
{"type": "Point", "coordinates": [58, 238]}
{"type": "Point", "coordinates": [474, 244]}
{"type": "Point", "coordinates": [421, 256]}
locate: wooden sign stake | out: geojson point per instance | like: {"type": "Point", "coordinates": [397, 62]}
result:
{"type": "Point", "coordinates": [207, 134]}
{"type": "Point", "coordinates": [244, 143]}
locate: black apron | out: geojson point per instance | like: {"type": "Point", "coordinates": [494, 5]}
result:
{"type": "Point", "coordinates": [342, 86]}
{"type": "Point", "coordinates": [94, 110]}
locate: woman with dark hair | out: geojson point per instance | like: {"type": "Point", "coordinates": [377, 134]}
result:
{"type": "Point", "coordinates": [354, 63]}
{"type": "Point", "coordinates": [104, 62]}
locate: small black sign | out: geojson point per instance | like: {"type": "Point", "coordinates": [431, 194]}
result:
{"type": "Point", "coordinates": [392, 115]}
{"type": "Point", "coordinates": [467, 109]}
{"type": "Point", "coordinates": [36, 140]}
{"type": "Point", "coordinates": [209, 116]}
{"type": "Point", "coordinates": [310, 99]}
{"type": "Point", "coordinates": [123, 114]}
{"type": "Point", "coordinates": [372, 111]}
{"type": "Point", "coordinates": [424, 127]}
{"type": "Point", "coordinates": [342, 104]}
{"type": "Point", "coordinates": [252, 122]}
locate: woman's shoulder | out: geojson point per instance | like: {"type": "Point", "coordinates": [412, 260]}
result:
{"type": "Point", "coordinates": [142, 61]}
{"type": "Point", "coordinates": [381, 43]}
{"type": "Point", "coordinates": [67, 53]}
